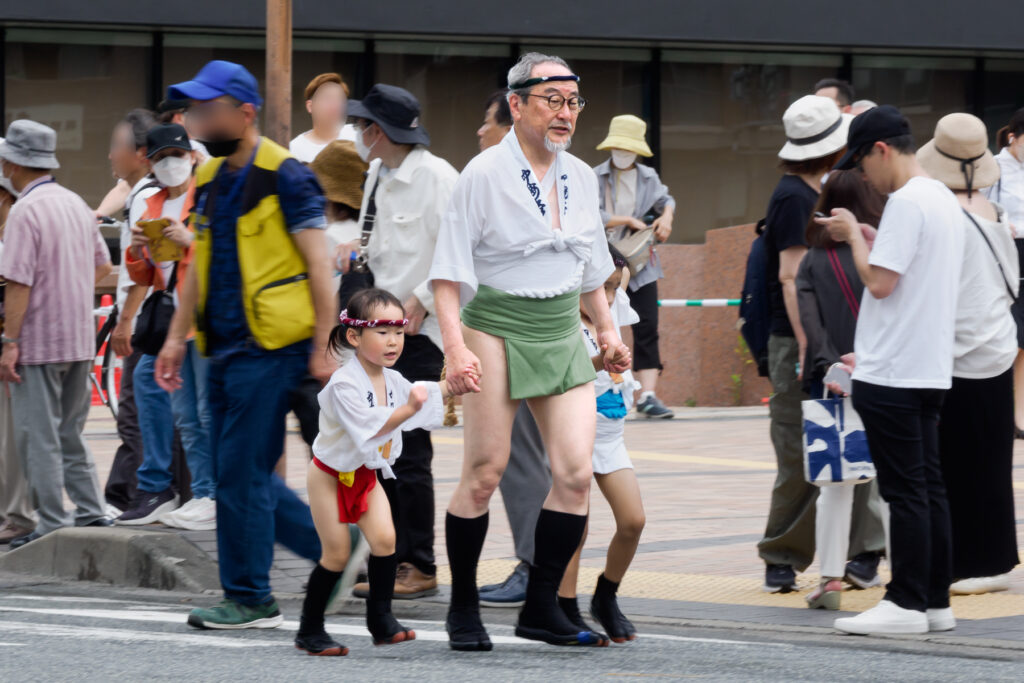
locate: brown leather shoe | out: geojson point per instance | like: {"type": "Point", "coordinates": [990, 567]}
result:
{"type": "Point", "coordinates": [10, 531]}
{"type": "Point", "coordinates": [411, 583]}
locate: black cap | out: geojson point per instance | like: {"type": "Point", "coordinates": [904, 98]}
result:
{"type": "Point", "coordinates": [395, 110]}
{"type": "Point", "coordinates": [880, 123]}
{"type": "Point", "coordinates": [169, 105]}
{"type": "Point", "coordinates": [166, 136]}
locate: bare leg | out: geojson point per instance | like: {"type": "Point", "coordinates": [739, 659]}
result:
{"type": "Point", "coordinates": [488, 417]}
{"type": "Point", "coordinates": [648, 379]}
{"type": "Point", "coordinates": [379, 529]}
{"type": "Point", "coordinates": [566, 422]}
{"type": "Point", "coordinates": [622, 492]}
{"type": "Point", "coordinates": [334, 541]}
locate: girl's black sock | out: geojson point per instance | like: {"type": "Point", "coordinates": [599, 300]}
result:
{"type": "Point", "coordinates": [318, 593]}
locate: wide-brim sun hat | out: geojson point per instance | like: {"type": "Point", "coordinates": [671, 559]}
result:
{"type": "Point", "coordinates": [341, 173]}
{"type": "Point", "coordinates": [958, 156]}
{"type": "Point", "coordinates": [30, 144]}
{"type": "Point", "coordinates": [814, 129]}
{"type": "Point", "coordinates": [627, 132]}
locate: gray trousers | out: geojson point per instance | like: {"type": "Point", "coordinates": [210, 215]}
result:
{"type": "Point", "coordinates": [789, 532]}
{"type": "Point", "coordinates": [526, 482]}
{"type": "Point", "coordinates": [15, 503]}
{"type": "Point", "coordinates": [50, 407]}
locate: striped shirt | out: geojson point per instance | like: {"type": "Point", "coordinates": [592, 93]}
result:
{"type": "Point", "coordinates": [53, 245]}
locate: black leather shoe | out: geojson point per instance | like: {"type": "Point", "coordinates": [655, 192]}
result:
{"type": "Point", "coordinates": [24, 540]}
{"type": "Point", "coordinates": [102, 521]}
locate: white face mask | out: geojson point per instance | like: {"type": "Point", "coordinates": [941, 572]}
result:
{"type": "Point", "coordinates": [173, 171]}
{"type": "Point", "coordinates": [622, 159]}
{"type": "Point", "coordinates": [361, 149]}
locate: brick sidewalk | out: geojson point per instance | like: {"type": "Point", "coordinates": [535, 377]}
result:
{"type": "Point", "coordinates": [706, 480]}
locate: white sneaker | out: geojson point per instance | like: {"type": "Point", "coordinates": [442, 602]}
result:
{"type": "Point", "coordinates": [941, 619]}
{"type": "Point", "coordinates": [884, 618]}
{"type": "Point", "coordinates": [113, 512]}
{"type": "Point", "coordinates": [189, 509]}
{"type": "Point", "coordinates": [981, 584]}
{"type": "Point", "coordinates": [202, 516]}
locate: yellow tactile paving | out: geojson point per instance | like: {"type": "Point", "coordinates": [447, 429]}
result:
{"type": "Point", "coordinates": [728, 590]}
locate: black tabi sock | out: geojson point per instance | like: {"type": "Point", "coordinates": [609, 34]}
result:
{"type": "Point", "coordinates": [605, 587]}
{"type": "Point", "coordinates": [380, 572]}
{"type": "Point", "coordinates": [571, 608]}
{"type": "Point", "coordinates": [557, 536]}
{"type": "Point", "coordinates": [318, 593]}
{"type": "Point", "coordinates": [464, 539]}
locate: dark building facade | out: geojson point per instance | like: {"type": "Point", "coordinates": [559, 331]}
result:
{"type": "Point", "coordinates": [712, 78]}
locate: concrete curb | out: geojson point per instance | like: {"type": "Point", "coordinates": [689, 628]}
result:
{"type": "Point", "coordinates": [117, 556]}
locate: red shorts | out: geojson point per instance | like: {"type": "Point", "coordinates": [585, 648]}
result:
{"type": "Point", "coordinates": [353, 500]}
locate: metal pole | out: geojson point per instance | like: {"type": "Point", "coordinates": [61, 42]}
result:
{"type": "Point", "coordinates": [279, 71]}
{"type": "Point", "coordinates": [698, 303]}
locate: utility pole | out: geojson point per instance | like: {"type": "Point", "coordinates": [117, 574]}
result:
{"type": "Point", "coordinates": [279, 71]}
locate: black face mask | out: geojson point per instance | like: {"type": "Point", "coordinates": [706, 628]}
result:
{"type": "Point", "coordinates": [221, 145]}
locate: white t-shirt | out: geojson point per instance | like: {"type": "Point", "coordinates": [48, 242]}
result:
{"type": "Point", "coordinates": [624, 199]}
{"type": "Point", "coordinates": [137, 207]}
{"type": "Point", "coordinates": [986, 333]}
{"type": "Point", "coordinates": [906, 339]}
{"type": "Point", "coordinates": [305, 150]}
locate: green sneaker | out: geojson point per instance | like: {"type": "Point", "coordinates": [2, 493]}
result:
{"type": "Point", "coordinates": [233, 615]}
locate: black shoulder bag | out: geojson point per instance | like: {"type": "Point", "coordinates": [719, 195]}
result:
{"type": "Point", "coordinates": [359, 275]}
{"type": "Point", "coordinates": [154, 321]}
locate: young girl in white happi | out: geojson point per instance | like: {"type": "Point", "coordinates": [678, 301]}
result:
{"type": "Point", "coordinates": [363, 410]}
{"type": "Point", "coordinates": [613, 471]}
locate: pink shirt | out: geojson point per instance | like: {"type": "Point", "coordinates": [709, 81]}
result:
{"type": "Point", "coordinates": [53, 245]}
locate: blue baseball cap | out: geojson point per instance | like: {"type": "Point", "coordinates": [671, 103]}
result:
{"type": "Point", "coordinates": [216, 79]}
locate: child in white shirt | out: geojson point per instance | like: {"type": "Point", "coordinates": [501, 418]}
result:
{"type": "Point", "coordinates": [613, 471]}
{"type": "Point", "coordinates": [364, 409]}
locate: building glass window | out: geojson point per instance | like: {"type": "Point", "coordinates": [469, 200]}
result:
{"type": "Point", "coordinates": [1004, 93]}
{"type": "Point", "coordinates": [924, 88]}
{"type": "Point", "coordinates": [80, 83]}
{"type": "Point", "coordinates": [722, 130]}
{"type": "Point", "coordinates": [452, 82]}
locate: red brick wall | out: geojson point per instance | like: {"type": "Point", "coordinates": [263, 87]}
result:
{"type": "Point", "coordinates": [700, 347]}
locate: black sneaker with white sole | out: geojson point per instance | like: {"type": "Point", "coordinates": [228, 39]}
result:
{"type": "Point", "coordinates": [779, 578]}
{"type": "Point", "coordinates": [147, 508]}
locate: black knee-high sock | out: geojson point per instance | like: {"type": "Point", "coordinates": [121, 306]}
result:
{"type": "Point", "coordinates": [557, 536]}
{"type": "Point", "coordinates": [380, 572]}
{"type": "Point", "coordinates": [464, 538]}
{"type": "Point", "coordinates": [318, 592]}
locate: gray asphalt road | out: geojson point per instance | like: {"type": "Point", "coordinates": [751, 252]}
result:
{"type": "Point", "coordinates": [76, 632]}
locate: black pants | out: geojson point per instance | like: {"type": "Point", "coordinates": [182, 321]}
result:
{"type": "Point", "coordinates": [304, 403]}
{"type": "Point", "coordinates": [122, 482]}
{"type": "Point", "coordinates": [645, 333]}
{"type": "Point", "coordinates": [976, 451]}
{"type": "Point", "coordinates": [411, 493]}
{"type": "Point", "coordinates": [902, 427]}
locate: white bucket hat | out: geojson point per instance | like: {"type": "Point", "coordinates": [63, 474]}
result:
{"type": "Point", "coordinates": [30, 144]}
{"type": "Point", "coordinates": [814, 128]}
{"type": "Point", "coordinates": [5, 183]}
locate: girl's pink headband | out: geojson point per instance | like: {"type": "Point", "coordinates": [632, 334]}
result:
{"type": "Point", "coordinates": [355, 322]}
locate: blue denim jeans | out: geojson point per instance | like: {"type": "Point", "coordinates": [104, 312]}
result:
{"type": "Point", "coordinates": [159, 413]}
{"type": "Point", "coordinates": [248, 396]}
{"type": "Point", "coordinates": [192, 417]}
{"type": "Point", "coordinates": [156, 425]}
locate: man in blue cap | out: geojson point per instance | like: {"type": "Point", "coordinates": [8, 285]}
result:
{"type": "Point", "coordinates": [260, 299]}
